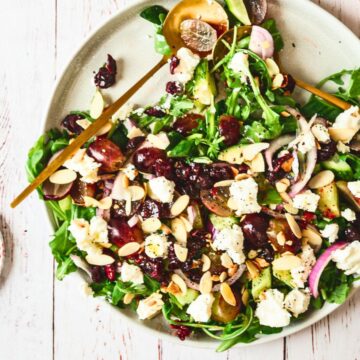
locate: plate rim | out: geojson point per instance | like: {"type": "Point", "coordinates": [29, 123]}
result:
{"type": "Point", "coordinates": [204, 343]}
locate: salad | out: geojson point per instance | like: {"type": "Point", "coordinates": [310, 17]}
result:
{"type": "Point", "coordinates": [227, 207]}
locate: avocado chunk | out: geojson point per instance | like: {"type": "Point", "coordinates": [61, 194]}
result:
{"type": "Point", "coordinates": [188, 297]}
{"type": "Point", "coordinates": [285, 277]}
{"type": "Point", "coordinates": [329, 200]}
{"type": "Point", "coordinates": [232, 155]}
{"type": "Point", "coordinates": [221, 223]}
{"type": "Point", "coordinates": [204, 85]}
{"type": "Point", "coordinates": [339, 167]}
{"type": "Point", "coordinates": [261, 283]}
{"type": "Point", "coordinates": [348, 196]}
{"type": "Point", "coordinates": [238, 9]}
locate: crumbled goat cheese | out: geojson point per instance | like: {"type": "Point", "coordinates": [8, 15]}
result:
{"type": "Point", "coordinates": [270, 311]}
{"type": "Point", "coordinates": [321, 133]}
{"type": "Point", "coordinates": [162, 189]}
{"type": "Point", "coordinates": [348, 215]}
{"type": "Point", "coordinates": [156, 245]}
{"type": "Point", "coordinates": [87, 290]}
{"type": "Point", "coordinates": [150, 306]}
{"type": "Point", "coordinates": [231, 240]}
{"type": "Point", "coordinates": [88, 236]}
{"type": "Point", "coordinates": [239, 63]}
{"type": "Point", "coordinates": [123, 113]}
{"type": "Point", "coordinates": [301, 273]}
{"type": "Point", "coordinates": [342, 148]}
{"type": "Point", "coordinates": [132, 130]}
{"type": "Point", "coordinates": [307, 201]}
{"type": "Point", "coordinates": [297, 301]}
{"type": "Point", "coordinates": [130, 171]}
{"type": "Point", "coordinates": [304, 142]}
{"type": "Point", "coordinates": [354, 187]}
{"type": "Point", "coordinates": [349, 119]}
{"type": "Point", "coordinates": [348, 258]}
{"type": "Point", "coordinates": [131, 273]}
{"type": "Point", "coordinates": [85, 165]}
{"type": "Point", "coordinates": [187, 65]}
{"type": "Point", "coordinates": [200, 308]}
{"type": "Point", "coordinates": [330, 232]}
{"type": "Point", "coordinates": [243, 194]}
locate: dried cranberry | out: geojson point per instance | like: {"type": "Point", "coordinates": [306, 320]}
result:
{"type": "Point", "coordinates": [151, 208]}
{"type": "Point", "coordinates": [254, 227]}
{"type": "Point", "coordinates": [152, 267]}
{"type": "Point", "coordinates": [267, 253]}
{"type": "Point", "coordinates": [134, 143]}
{"type": "Point", "coordinates": [229, 128]}
{"type": "Point", "coordinates": [174, 87]}
{"type": "Point", "coordinates": [182, 332]}
{"type": "Point", "coordinates": [121, 233]}
{"type": "Point", "coordinates": [145, 158]}
{"type": "Point", "coordinates": [278, 163]}
{"type": "Point", "coordinates": [308, 216]}
{"type": "Point", "coordinates": [197, 240]}
{"type": "Point", "coordinates": [70, 124]}
{"type": "Point", "coordinates": [352, 233]}
{"type": "Point", "coordinates": [174, 63]}
{"type": "Point", "coordinates": [97, 274]}
{"type": "Point", "coordinates": [288, 84]}
{"type": "Point", "coordinates": [81, 189]}
{"type": "Point", "coordinates": [195, 275]}
{"type": "Point", "coordinates": [327, 151]}
{"type": "Point", "coordinates": [163, 168]}
{"type": "Point", "coordinates": [106, 75]}
{"type": "Point", "coordinates": [110, 272]}
{"type": "Point", "coordinates": [220, 171]}
{"type": "Point", "coordinates": [185, 124]}
{"type": "Point", "coordinates": [155, 111]}
{"type": "Point", "coordinates": [174, 263]}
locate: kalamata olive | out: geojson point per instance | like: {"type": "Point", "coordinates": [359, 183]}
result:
{"type": "Point", "coordinates": [292, 244]}
{"type": "Point", "coordinates": [121, 233]}
{"type": "Point", "coordinates": [229, 128]}
{"type": "Point", "coordinates": [267, 253]}
{"type": "Point", "coordinates": [81, 189]}
{"type": "Point", "coordinates": [326, 151]}
{"type": "Point", "coordinates": [216, 200]}
{"type": "Point", "coordinates": [105, 152]}
{"type": "Point", "coordinates": [145, 158]}
{"type": "Point", "coordinates": [185, 124]}
{"type": "Point", "coordinates": [69, 123]}
{"type": "Point", "coordinates": [288, 84]}
{"type": "Point", "coordinates": [257, 10]}
{"type": "Point", "coordinates": [223, 312]}
{"type": "Point", "coordinates": [134, 143]}
{"type": "Point", "coordinates": [254, 227]}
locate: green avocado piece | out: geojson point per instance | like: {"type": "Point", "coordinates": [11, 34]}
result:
{"type": "Point", "coordinates": [65, 204]}
{"type": "Point", "coordinates": [261, 283]}
{"type": "Point", "coordinates": [232, 155]}
{"type": "Point", "coordinates": [329, 200]}
{"type": "Point", "coordinates": [204, 85]}
{"type": "Point", "coordinates": [188, 298]}
{"type": "Point", "coordinates": [221, 223]}
{"type": "Point", "coordinates": [285, 277]}
{"type": "Point", "coordinates": [238, 9]}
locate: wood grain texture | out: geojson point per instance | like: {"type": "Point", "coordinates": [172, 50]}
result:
{"type": "Point", "coordinates": [44, 319]}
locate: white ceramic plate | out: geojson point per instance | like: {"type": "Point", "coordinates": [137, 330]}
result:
{"type": "Point", "coordinates": [316, 45]}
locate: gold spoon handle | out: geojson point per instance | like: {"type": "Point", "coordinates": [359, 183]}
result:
{"type": "Point", "coordinates": [86, 135]}
{"type": "Point", "coordinates": [322, 94]}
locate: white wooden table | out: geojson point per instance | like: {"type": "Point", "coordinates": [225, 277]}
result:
{"type": "Point", "coordinates": [41, 318]}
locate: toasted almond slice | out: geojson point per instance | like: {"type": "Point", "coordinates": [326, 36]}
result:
{"type": "Point", "coordinates": [250, 151]}
{"type": "Point", "coordinates": [97, 105]}
{"type": "Point", "coordinates": [257, 164]}
{"type": "Point", "coordinates": [252, 268]}
{"type": "Point", "coordinates": [272, 67]}
{"type": "Point", "coordinates": [232, 203]}
{"type": "Point", "coordinates": [262, 262]}
{"type": "Point", "coordinates": [180, 205]}
{"type": "Point", "coordinates": [232, 271]}
{"type": "Point", "coordinates": [277, 81]}
{"type": "Point", "coordinates": [179, 282]}
{"type": "Point", "coordinates": [286, 197]}
{"type": "Point", "coordinates": [179, 231]}
{"type": "Point", "coordinates": [282, 185]}
{"type": "Point", "coordinates": [63, 176]}
{"type": "Point", "coordinates": [321, 179]}
{"type": "Point", "coordinates": [172, 288]}
{"type": "Point", "coordinates": [160, 141]}
{"type": "Point", "coordinates": [342, 135]}
{"type": "Point", "coordinates": [280, 238]}
{"type": "Point", "coordinates": [165, 229]}
{"type": "Point", "coordinates": [206, 283]}
{"type": "Point", "coordinates": [313, 238]}
{"type": "Point", "coordinates": [84, 123]}
{"type": "Point", "coordinates": [252, 254]}
{"type": "Point", "coordinates": [206, 263]}
{"type": "Point", "coordinates": [223, 276]}
{"type": "Point", "coordinates": [180, 252]}
{"type": "Point", "coordinates": [99, 259]}
{"type": "Point", "coordinates": [136, 192]}
{"type": "Point", "coordinates": [151, 225]}
{"type": "Point", "coordinates": [245, 297]}
{"type": "Point", "coordinates": [134, 132]}
{"type": "Point", "coordinates": [103, 204]}
{"type": "Point", "coordinates": [129, 249]}
{"type": "Point", "coordinates": [105, 129]}
{"type": "Point", "coordinates": [295, 228]}
{"type": "Point", "coordinates": [291, 209]}
{"type": "Point", "coordinates": [187, 223]}
{"type": "Point", "coordinates": [226, 261]}
{"type": "Point", "coordinates": [215, 278]}
{"type": "Point", "coordinates": [242, 176]}
{"type": "Point", "coordinates": [223, 183]}
{"type": "Point", "coordinates": [128, 298]}
{"type": "Point", "coordinates": [286, 262]}
{"type": "Point", "coordinates": [128, 203]}
{"type": "Point", "coordinates": [227, 294]}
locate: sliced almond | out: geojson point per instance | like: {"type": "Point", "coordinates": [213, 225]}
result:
{"type": "Point", "coordinates": [84, 123]}
{"type": "Point", "coordinates": [286, 197]}
{"type": "Point", "coordinates": [179, 231]}
{"type": "Point", "coordinates": [291, 209]}
{"type": "Point", "coordinates": [97, 105]}
{"type": "Point", "coordinates": [63, 176]}
{"type": "Point", "coordinates": [206, 263]}
{"type": "Point", "coordinates": [250, 151]}
{"type": "Point", "coordinates": [179, 282]}
{"type": "Point", "coordinates": [128, 298]}
{"type": "Point", "coordinates": [129, 249]}
{"type": "Point", "coordinates": [103, 204]}
{"type": "Point", "coordinates": [280, 238]}
{"type": "Point", "coordinates": [165, 229]}
{"type": "Point", "coordinates": [252, 269]}
{"type": "Point", "coordinates": [286, 262]}
{"type": "Point", "coordinates": [295, 228]}
{"type": "Point", "coordinates": [215, 278]}
{"type": "Point", "coordinates": [282, 185]}
{"type": "Point", "coordinates": [272, 67]}
{"type": "Point", "coordinates": [321, 179]}
{"type": "Point", "coordinates": [242, 176]}
{"type": "Point", "coordinates": [223, 183]}
{"type": "Point", "coordinates": [245, 297]}
{"type": "Point", "coordinates": [180, 205]}
{"type": "Point", "coordinates": [342, 135]}
{"type": "Point", "coordinates": [252, 254]}
{"type": "Point", "coordinates": [226, 261]}
{"type": "Point", "coordinates": [223, 276]}
{"type": "Point", "coordinates": [180, 252]}
{"type": "Point", "coordinates": [233, 204]}
{"type": "Point", "coordinates": [105, 129]}
{"type": "Point", "coordinates": [206, 283]}
{"type": "Point", "coordinates": [127, 203]}
{"type": "Point", "coordinates": [227, 294]}
{"type": "Point", "coordinates": [172, 288]}
{"type": "Point", "coordinates": [187, 223]}
{"type": "Point", "coordinates": [151, 225]}
{"type": "Point", "coordinates": [257, 164]}
{"type": "Point", "coordinates": [262, 262]}
{"type": "Point", "coordinates": [277, 81]}
{"type": "Point", "coordinates": [136, 193]}
{"type": "Point", "coordinates": [313, 238]}
{"type": "Point", "coordinates": [232, 271]}
{"type": "Point", "coordinates": [99, 259]}
{"type": "Point", "coordinates": [134, 132]}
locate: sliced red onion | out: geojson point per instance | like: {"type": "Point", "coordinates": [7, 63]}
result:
{"type": "Point", "coordinates": [81, 264]}
{"type": "Point", "coordinates": [295, 167]}
{"type": "Point", "coordinates": [261, 42]}
{"type": "Point", "coordinates": [211, 229]}
{"type": "Point", "coordinates": [54, 191]}
{"type": "Point", "coordinates": [275, 145]}
{"type": "Point", "coordinates": [320, 265]}
{"type": "Point", "coordinates": [133, 221]}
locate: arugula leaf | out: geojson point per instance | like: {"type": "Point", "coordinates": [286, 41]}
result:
{"type": "Point", "coordinates": [321, 107]}
{"type": "Point", "coordinates": [183, 149]}
{"type": "Point", "coordinates": [270, 25]}
{"type": "Point", "coordinates": [153, 13]}
{"type": "Point", "coordinates": [354, 85]}
{"type": "Point", "coordinates": [354, 162]}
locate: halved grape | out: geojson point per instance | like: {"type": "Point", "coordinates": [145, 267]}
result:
{"type": "Point", "coordinates": [216, 200]}
{"type": "Point", "coordinates": [121, 233]}
{"type": "Point", "coordinates": [55, 191]}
